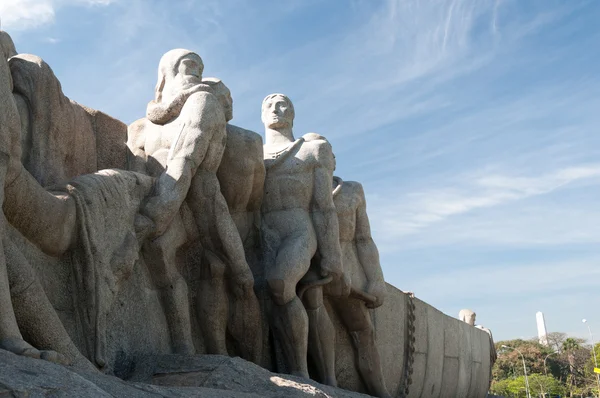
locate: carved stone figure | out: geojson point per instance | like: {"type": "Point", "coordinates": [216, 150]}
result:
{"type": "Point", "coordinates": [299, 221]}
{"type": "Point", "coordinates": [467, 316]}
{"type": "Point", "coordinates": [78, 219]}
{"type": "Point", "coordinates": [77, 215]}
{"type": "Point", "coordinates": [182, 144]}
{"type": "Point", "coordinates": [241, 176]}
{"type": "Point", "coordinates": [362, 270]}
{"type": "Point", "coordinates": [10, 336]}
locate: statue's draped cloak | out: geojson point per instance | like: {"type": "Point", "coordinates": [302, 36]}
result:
{"type": "Point", "coordinates": [107, 203]}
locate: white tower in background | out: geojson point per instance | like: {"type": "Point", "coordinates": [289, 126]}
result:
{"type": "Point", "coordinates": [541, 326]}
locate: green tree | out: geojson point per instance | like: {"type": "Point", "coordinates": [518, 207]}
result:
{"type": "Point", "coordinates": [545, 386]}
{"type": "Point", "coordinates": [569, 372]}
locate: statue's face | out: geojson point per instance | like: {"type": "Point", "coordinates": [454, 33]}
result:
{"type": "Point", "coordinates": [190, 68]}
{"type": "Point", "coordinates": [277, 113]}
{"type": "Point", "coordinates": [471, 319]}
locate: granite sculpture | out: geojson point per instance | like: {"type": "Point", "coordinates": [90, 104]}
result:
{"type": "Point", "coordinates": [184, 140]}
{"type": "Point", "coordinates": [299, 221]}
{"type": "Point", "coordinates": [360, 259]}
{"type": "Point", "coordinates": [182, 234]}
{"type": "Point", "coordinates": [241, 175]}
{"type": "Point", "coordinates": [469, 316]}
{"type": "Point", "coordinates": [89, 218]}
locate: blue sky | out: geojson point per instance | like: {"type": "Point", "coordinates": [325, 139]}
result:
{"type": "Point", "coordinates": [471, 124]}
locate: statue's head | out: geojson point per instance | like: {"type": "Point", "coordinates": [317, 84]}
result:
{"type": "Point", "coordinates": [277, 111]}
{"type": "Point", "coordinates": [223, 95]}
{"type": "Point", "coordinates": [177, 70]}
{"type": "Point", "coordinates": [467, 316]}
{"type": "Point", "coordinates": [7, 46]}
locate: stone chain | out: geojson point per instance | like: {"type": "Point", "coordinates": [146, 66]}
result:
{"type": "Point", "coordinates": [409, 347]}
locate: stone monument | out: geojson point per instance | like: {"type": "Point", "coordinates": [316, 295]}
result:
{"type": "Point", "coordinates": [129, 253]}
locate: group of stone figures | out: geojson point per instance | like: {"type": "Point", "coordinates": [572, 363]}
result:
{"type": "Point", "coordinates": [192, 180]}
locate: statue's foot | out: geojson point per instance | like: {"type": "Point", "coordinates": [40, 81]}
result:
{"type": "Point", "coordinates": [19, 346]}
{"type": "Point", "coordinates": [55, 357]}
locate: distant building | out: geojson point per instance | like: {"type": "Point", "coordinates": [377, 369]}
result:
{"type": "Point", "coordinates": [541, 326]}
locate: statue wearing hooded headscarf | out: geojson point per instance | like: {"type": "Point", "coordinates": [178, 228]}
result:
{"type": "Point", "coordinates": [181, 142]}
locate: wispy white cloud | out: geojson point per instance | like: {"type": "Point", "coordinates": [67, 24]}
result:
{"type": "Point", "coordinates": [27, 14]}
{"type": "Point", "coordinates": [416, 212]}
{"type": "Point", "coordinates": [494, 281]}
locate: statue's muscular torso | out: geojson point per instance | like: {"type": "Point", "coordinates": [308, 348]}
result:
{"type": "Point", "coordinates": [179, 138]}
{"type": "Point", "coordinates": [347, 202]}
{"type": "Point", "coordinates": [242, 170]}
{"type": "Point", "coordinates": [289, 184]}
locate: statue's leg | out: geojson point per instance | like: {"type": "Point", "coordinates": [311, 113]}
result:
{"type": "Point", "coordinates": [245, 315]}
{"type": "Point", "coordinates": [160, 256]}
{"type": "Point", "coordinates": [357, 320]}
{"type": "Point", "coordinates": [10, 336]}
{"type": "Point", "coordinates": [289, 318]}
{"type": "Point", "coordinates": [218, 230]}
{"type": "Point", "coordinates": [228, 236]}
{"type": "Point", "coordinates": [321, 335]}
{"type": "Point", "coordinates": [36, 317]}
{"type": "Point", "coordinates": [245, 327]}
{"type": "Point", "coordinates": [212, 305]}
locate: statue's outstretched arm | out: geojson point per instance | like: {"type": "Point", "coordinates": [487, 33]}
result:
{"type": "Point", "coordinates": [199, 118]}
{"type": "Point", "coordinates": [367, 252]}
{"type": "Point", "coordinates": [324, 215]}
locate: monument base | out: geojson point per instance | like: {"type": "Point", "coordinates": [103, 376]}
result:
{"type": "Point", "coordinates": [176, 376]}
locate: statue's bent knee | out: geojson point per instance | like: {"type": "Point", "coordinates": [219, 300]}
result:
{"type": "Point", "coordinates": [281, 291]}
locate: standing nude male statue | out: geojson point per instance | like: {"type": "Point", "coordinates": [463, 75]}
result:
{"type": "Point", "coordinates": [361, 266]}
{"type": "Point", "coordinates": [182, 144]}
{"type": "Point", "coordinates": [241, 176]}
{"type": "Point", "coordinates": [299, 221]}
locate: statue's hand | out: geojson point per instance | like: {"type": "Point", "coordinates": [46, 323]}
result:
{"type": "Point", "coordinates": [378, 290]}
{"type": "Point", "coordinates": [155, 210]}
{"type": "Point", "coordinates": [144, 227]}
{"type": "Point", "coordinates": [345, 284]}
{"type": "Point", "coordinates": [331, 266]}
{"type": "Point", "coordinates": [341, 282]}
{"type": "Point", "coordinates": [243, 284]}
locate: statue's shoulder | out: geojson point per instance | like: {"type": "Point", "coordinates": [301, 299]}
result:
{"type": "Point", "coordinates": [314, 137]}
{"type": "Point", "coordinates": [319, 145]}
{"type": "Point", "coordinates": [136, 132]}
{"type": "Point", "coordinates": [242, 141]}
{"type": "Point", "coordinates": [354, 187]}
{"type": "Point", "coordinates": [137, 126]}
{"type": "Point", "coordinates": [248, 136]}
{"type": "Point", "coordinates": [205, 97]}
{"type": "Point", "coordinates": [353, 190]}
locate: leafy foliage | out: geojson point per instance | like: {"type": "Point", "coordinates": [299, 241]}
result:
{"type": "Point", "coordinates": [563, 368]}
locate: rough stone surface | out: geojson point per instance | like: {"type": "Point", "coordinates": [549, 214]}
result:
{"type": "Point", "coordinates": [157, 376]}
